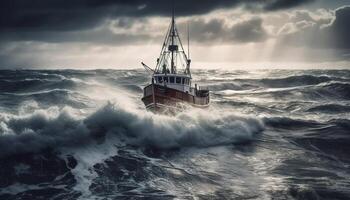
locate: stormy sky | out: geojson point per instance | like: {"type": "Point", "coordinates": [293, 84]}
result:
{"type": "Point", "coordinates": [122, 33]}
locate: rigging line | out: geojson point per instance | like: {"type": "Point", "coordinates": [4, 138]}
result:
{"type": "Point", "coordinates": [164, 45]}
{"type": "Point", "coordinates": [182, 48]}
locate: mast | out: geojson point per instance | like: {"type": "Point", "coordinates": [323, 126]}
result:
{"type": "Point", "coordinates": [172, 40]}
{"type": "Point", "coordinates": [173, 53]}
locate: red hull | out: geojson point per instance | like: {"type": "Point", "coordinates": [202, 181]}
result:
{"type": "Point", "coordinates": [159, 98]}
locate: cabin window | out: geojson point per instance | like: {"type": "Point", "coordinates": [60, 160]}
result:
{"type": "Point", "coordinates": [160, 79]}
{"type": "Point", "coordinates": [183, 81]}
{"type": "Point", "coordinates": [178, 80]}
{"type": "Point", "coordinates": [166, 79]}
{"type": "Point", "coordinates": [186, 81]}
{"type": "Point", "coordinates": [171, 78]}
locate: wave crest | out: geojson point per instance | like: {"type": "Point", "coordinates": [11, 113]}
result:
{"type": "Point", "coordinates": [59, 128]}
{"type": "Point", "coordinates": [194, 128]}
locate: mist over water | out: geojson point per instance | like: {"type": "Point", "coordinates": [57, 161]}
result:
{"type": "Point", "coordinates": [71, 134]}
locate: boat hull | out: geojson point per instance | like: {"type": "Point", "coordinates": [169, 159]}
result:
{"type": "Point", "coordinates": [158, 98]}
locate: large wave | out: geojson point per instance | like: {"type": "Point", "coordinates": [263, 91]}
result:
{"type": "Point", "coordinates": [56, 127]}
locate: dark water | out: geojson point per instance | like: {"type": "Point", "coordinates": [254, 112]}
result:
{"type": "Point", "coordinates": [268, 134]}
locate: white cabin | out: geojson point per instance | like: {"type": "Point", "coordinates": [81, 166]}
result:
{"type": "Point", "coordinates": [181, 82]}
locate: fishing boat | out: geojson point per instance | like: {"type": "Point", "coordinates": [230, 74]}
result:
{"type": "Point", "coordinates": [171, 86]}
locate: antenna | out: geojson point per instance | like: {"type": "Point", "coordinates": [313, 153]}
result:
{"type": "Point", "coordinates": [173, 9]}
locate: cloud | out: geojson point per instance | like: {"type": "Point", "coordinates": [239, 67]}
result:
{"type": "Point", "coordinates": [318, 32]}
{"type": "Point", "coordinates": [101, 35]}
{"type": "Point", "coordinates": [250, 30]}
{"type": "Point", "coordinates": [58, 15]}
{"type": "Point", "coordinates": [277, 5]}
{"type": "Point", "coordinates": [118, 22]}
{"type": "Point", "coordinates": [212, 30]}
{"type": "Point", "coordinates": [219, 31]}
{"type": "Point", "coordinates": [340, 28]}
{"type": "Point", "coordinates": [55, 25]}
{"type": "Point", "coordinates": [317, 36]}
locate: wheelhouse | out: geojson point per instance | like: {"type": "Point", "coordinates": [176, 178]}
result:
{"type": "Point", "coordinates": [180, 82]}
{"type": "Point", "coordinates": [172, 79]}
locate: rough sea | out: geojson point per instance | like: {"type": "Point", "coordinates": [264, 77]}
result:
{"type": "Point", "coordinates": [268, 134]}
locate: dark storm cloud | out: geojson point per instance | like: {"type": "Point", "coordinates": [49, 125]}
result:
{"type": "Point", "coordinates": [320, 33]}
{"type": "Point", "coordinates": [250, 30]}
{"type": "Point", "coordinates": [201, 30]}
{"type": "Point", "coordinates": [80, 14]}
{"type": "Point", "coordinates": [215, 30]}
{"type": "Point", "coordinates": [283, 4]}
{"type": "Point", "coordinates": [340, 28]}
{"type": "Point", "coordinates": [98, 36]}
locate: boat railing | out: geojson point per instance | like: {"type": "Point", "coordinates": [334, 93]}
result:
{"type": "Point", "coordinates": [203, 88]}
{"type": "Point", "coordinates": [202, 91]}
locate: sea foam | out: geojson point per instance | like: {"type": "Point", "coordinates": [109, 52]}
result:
{"type": "Point", "coordinates": [56, 127]}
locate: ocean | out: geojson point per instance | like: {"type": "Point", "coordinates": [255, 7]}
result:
{"type": "Point", "coordinates": [85, 134]}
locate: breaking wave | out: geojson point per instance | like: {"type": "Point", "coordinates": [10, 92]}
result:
{"type": "Point", "coordinates": [55, 127]}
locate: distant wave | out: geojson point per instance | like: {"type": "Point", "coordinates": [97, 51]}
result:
{"type": "Point", "coordinates": [344, 123]}
{"type": "Point", "coordinates": [58, 97]}
{"type": "Point", "coordinates": [330, 108]}
{"type": "Point", "coordinates": [58, 128]}
{"type": "Point", "coordinates": [329, 90]}
{"type": "Point", "coordinates": [231, 86]}
{"type": "Point", "coordinates": [34, 85]}
{"type": "Point", "coordinates": [296, 80]}
{"type": "Point", "coordinates": [290, 123]}
{"type": "Point", "coordinates": [336, 89]}
{"type": "Point", "coordinates": [30, 74]}
{"type": "Point", "coordinates": [330, 127]}
{"type": "Point", "coordinates": [286, 82]}
{"type": "Point", "coordinates": [11, 85]}
{"type": "Point", "coordinates": [280, 83]}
